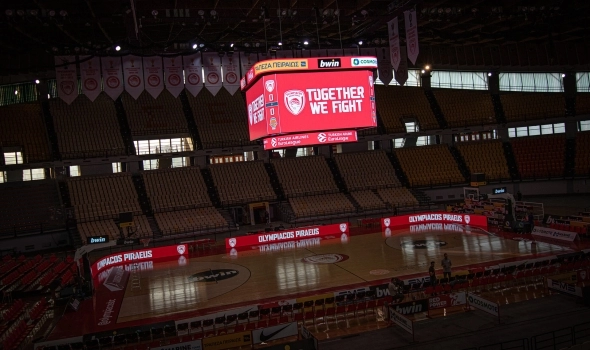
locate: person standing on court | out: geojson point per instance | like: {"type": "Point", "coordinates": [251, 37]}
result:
{"type": "Point", "coordinates": [432, 274]}
{"type": "Point", "coordinates": [446, 264]}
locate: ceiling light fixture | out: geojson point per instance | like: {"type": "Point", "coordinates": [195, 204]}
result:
{"type": "Point", "coordinates": [117, 48]}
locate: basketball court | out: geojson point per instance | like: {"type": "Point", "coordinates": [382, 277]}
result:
{"type": "Point", "coordinates": [155, 291]}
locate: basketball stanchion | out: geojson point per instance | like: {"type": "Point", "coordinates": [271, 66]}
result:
{"type": "Point", "coordinates": [145, 241]}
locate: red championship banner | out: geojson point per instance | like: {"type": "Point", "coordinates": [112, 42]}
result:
{"type": "Point", "coordinates": [173, 75]}
{"type": "Point", "coordinates": [401, 74]}
{"type": "Point", "coordinates": [309, 139]}
{"type": "Point", "coordinates": [412, 35]}
{"type": "Point", "coordinates": [247, 60]}
{"type": "Point", "coordinates": [385, 69]}
{"type": "Point", "coordinates": [112, 76]}
{"type": "Point", "coordinates": [393, 29]}
{"type": "Point", "coordinates": [193, 72]}
{"type": "Point", "coordinates": [153, 75]}
{"type": "Point", "coordinates": [287, 235]}
{"type": "Point", "coordinates": [231, 74]}
{"type": "Point", "coordinates": [212, 71]}
{"type": "Point", "coordinates": [90, 76]}
{"type": "Point", "coordinates": [431, 217]}
{"type": "Point", "coordinates": [291, 103]}
{"type": "Point", "coordinates": [138, 256]}
{"type": "Point", "coordinates": [133, 74]}
{"type": "Point", "coordinates": [66, 78]}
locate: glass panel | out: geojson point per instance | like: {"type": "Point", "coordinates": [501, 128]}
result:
{"type": "Point", "coordinates": [511, 132]}
{"type": "Point", "coordinates": [547, 129]}
{"type": "Point", "coordinates": [33, 174]}
{"type": "Point", "coordinates": [410, 127]}
{"type": "Point", "coordinates": [559, 128]}
{"type": "Point", "coordinates": [522, 131]}
{"type": "Point", "coordinates": [583, 81]}
{"type": "Point", "coordinates": [534, 130]}
{"type": "Point", "coordinates": [584, 125]}
{"type": "Point", "coordinates": [116, 167]}
{"type": "Point", "coordinates": [2, 176]}
{"type": "Point", "coordinates": [150, 164]}
{"type": "Point", "coordinates": [398, 143]}
{"type": "Point", "coordinates": [74, 170]}
{"type": "Point", "coordinates": [178, 162]}
{"type": "Point", "coordinates": [371, 146]}
{"type": "Point", "coordinates": [11, 158]}
{"type": "Point", "coordinates": [422, 141]}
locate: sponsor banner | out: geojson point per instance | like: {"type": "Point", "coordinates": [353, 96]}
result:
{"type": "Point", "coordinates": [494, 221]}
{"type": "Point", "coordinates": [268, 66]}
{"type": "Point", "coordinates": [310, 138]}
{"type": "Point", "coordinates": [237, 311]}
{"type": "Point", "coordinates": [138, 256]}
{"type": "Point", "coordinates": [431, 217]}
{"type": "Point", "coordinates": [483, 304]}
{"type": "Point", "coordinates": [193, 72]}
{"type": "Point", "coordinates": [364, 62]}
{"type": "Point", "coordinates": [334, 52]}
{"type": "Point", "coordinates": [303, 344]}
{"type": "Point", "coordinates": [66, 78]}
{"type": "Point", "coordinates": [291, 103]}
{"type": "Point", "coordinates": [447, 300]}
{"type": "Point", "coordinates": [284, 54]}
{"type": "Point", "coordinates": [189, 345]}
{"type": "Point", "coordinates": [109, 296]}
{"type": "Point", "coordinates": [324, 63]}
{"type": "Point", "coordinates": [411, 307]}
{"type": "Point", "coordinates": [231, 74]}
{"type": "Point", "coordinates": [133, 74]}
{"type": "Point", "coordinates": [401, 74]}
{"type": "Point", "coordinates": [412, 35]}
{"type": "Point", "coordinates": [212, 71]}
{"type": "Point", "coordinates": [233, 340]}
{"type": "Point", "coordinates": [393, 29]}
{"type": "Point", "coordinates": [90, 76]}
{"type": "Point", "coordinates": [173, 75]}
{"type": "Point", "coordinates": [554, 234]}
{"type": "Point", "coordinates": [384, 62]}
{"type": "Point", "coordinates": [287, 235]}
{"type": "Point", "coordinates": [153, 74]}
{"type": "Point", "coordinates": [112, 76]}
{"type": "Point", "coordinates": [97, 239]}
{"type": "Point", "coordinates": [400, 320]}
{"type": "Point", "coordinates": [247, 60]}
{"type": "Point", "coordinates": [564, 287]}
{"type": "Point", "coordinates": [276, 332]}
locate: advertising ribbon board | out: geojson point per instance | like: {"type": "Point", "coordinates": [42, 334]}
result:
{"type": "Point", "coordinates": [189, 345]}
{"type": "Point", "coordinates": [405, 323]}
{"type": "Point", "coordinates": [483, 304]}
{"type": "Point", "coordinates": [440, 217]}
{"type": "Point", "coordinates": [310, 138]}
{"type": "Point", "coordinates": [564, 287]}
{"type": "Point", "coordinates": [275, 332]}
{"type": "Point", "coordinates": [232, 340]}
{"type": "Point", "coordinates": [554, 234]}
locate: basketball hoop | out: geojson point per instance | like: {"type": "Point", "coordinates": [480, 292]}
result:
{"type": "Point", "coordinates": [145, 241]}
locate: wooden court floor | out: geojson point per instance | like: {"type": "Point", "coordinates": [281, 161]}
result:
{"type": "Point", "coordinates": [288, 270]}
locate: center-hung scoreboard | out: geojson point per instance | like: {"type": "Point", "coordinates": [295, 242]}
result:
{"type": "Point", "coordinates": [309, 101]}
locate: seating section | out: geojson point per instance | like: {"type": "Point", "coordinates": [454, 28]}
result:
{"type": "Point", "coordinates": [191, 220]}
{"type": "Point", "coordinates": [86, 128]}
{"type": "Point", "coordinates": [368, 200]}
{"type": "Point", "coordinates": [304, 176]}
{"type": "Point", "coordinates": [325, 204]}
{"type": "Point", "coordinates": [540, 157]}
{"type": "Point", "coordinates": [366, 170]}
{"type": "Point", "coordinates": [141, 228]}
{"type": "Point", "coordinates": [583, 153]}
{"type": "Point", "coordinates": [221, 120]}
{"type": "Point", "coordinates": [393, 105]}
{"type": "Point", "coordinates": [149, 116]}
{"type": "Point", "coordinates": [22, 125]}
{"type": "Point", "coordinates": [103, 197]}
{"type": "Point", "coordinates": [174, 189]}
{"type": "Point", "coordinates": [465, 108]}
{"type": "Point", "coordinates": [485, 157]}
{"type": "Point", "coordinates": [519, 106]}
{"type": "Point", "coordinates": [582, 103]}
{"type": "Point", "coordinates": [429, 165]}
{"type": "Point", "coordinates": [242, 182]}
{"type": "Point", "coordinates": [30, 206]}
{"type": "Point", "coordinates": [398, 197]}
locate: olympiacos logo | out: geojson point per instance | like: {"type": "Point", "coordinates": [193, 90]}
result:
{"type": "Point", "coordinates": [343, 227]}
{"type": "Point", "coordinates": [467, 219]}
{"type": "Point", "coordinates": [294, 101]}
{"type": "Point", "coordinates": [386, 222]}
{"type": "Point", "coordinates": [181, 249]}
{"type": "Point", "coordinates": [232, 242]}
{"type": "Point", "coordinates": [269, 85]}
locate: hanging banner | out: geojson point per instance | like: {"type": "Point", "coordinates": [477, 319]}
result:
{"type": "Point", "coordinates": [231, 74]}
{"type": "Point", "coordinates": [133, 73]}
{"type": "Point", "coordinates": [193, 72]}
{"type": "Point", "coordinates": [90, 76]}
{"type": "Point", "coordinates": [66, 78]}
{"type": "Point", "coordinates": [318, 53]}
{"type": "Point", "coordinates": [247, 60]}
{"type": "Point", "coordinates": [412, 35]}
{"type": "Point", "coordinates": [173, 75]}
{"type": "Point", "coordinates": [112, 76]}
{"type": "Point", "coordinates": [351, 52]}
{"type": "Point", "coordinates": [394, 43]}
{"type": "Point", "coordinates": [212, 70]}
{"type": "Point", "coordinates": [401, 74]}
{"type": "Point", "coordinates": [284, 54]}
{"type": "Point", "coordinates": [384, 63]}
{"type": "Point", "coordinates": [152, 72]}
{"type": "Point", "coordinates": [334, 52]}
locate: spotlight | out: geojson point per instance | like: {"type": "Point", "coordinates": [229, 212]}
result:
{"type": "Point", "coordinates": [16, 92]}
{"type": "Point", "coordinates": [489, 74]}
{"type": "Point", "coordinates": [195, 46]}
{"type": "Point", "coordinates": [336, 12]}
{"type": "Point", "coordinates": [20, 12]}
{"type": "Point", "coordinates": [117, 48]}
{"type": "Point", "coordinates": [37, 81]}
{"type": "Point", "coordinates": [280, 43]}
{"type": "Point", "coordinates": [364, 12]}
{"type": "Point", "coordinates": [284, 12]}
{"type": "Point", "coordinates": [360, 42]}
{"type": "Point", "coordinates": [306, 42]}
{"type": "Point", "coordinates": [63, 13]}
{"type": "Point", "coordinates": [563, 75]}
{"type": "Point", "coordinates": [427, 67]}
{"type": "Point", "coordinates": [201, 13]}
{"type": "Point", "coordinates": [154, 13]}
{"type": "Point", "coordinates": [231, 45]}
{"type": "Point", "coordinates": [213, 13]}
{"type": "Point", "coordinates": [51, 13]}
{"type": "Point", "coordinates": [8, 13]}
{"type": "Point", "coordinates": [201, 45]}
{"type": "Point", "coordinates": [422, 71]}
{"type": "Point", "coordinates": [247, 44]}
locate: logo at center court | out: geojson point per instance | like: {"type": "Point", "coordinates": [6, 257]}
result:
{"type": "Point", "coordinates": [213, 276]}
{"type": "Point", "coordinates": [424, 244]}
{"type": "Point", "coordinates": [325, 259]}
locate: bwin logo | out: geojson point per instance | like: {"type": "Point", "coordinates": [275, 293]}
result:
{"type": "Point", "coordinates": [333, 63]}
{"type": "Point", "coordinates": [97, 240]}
